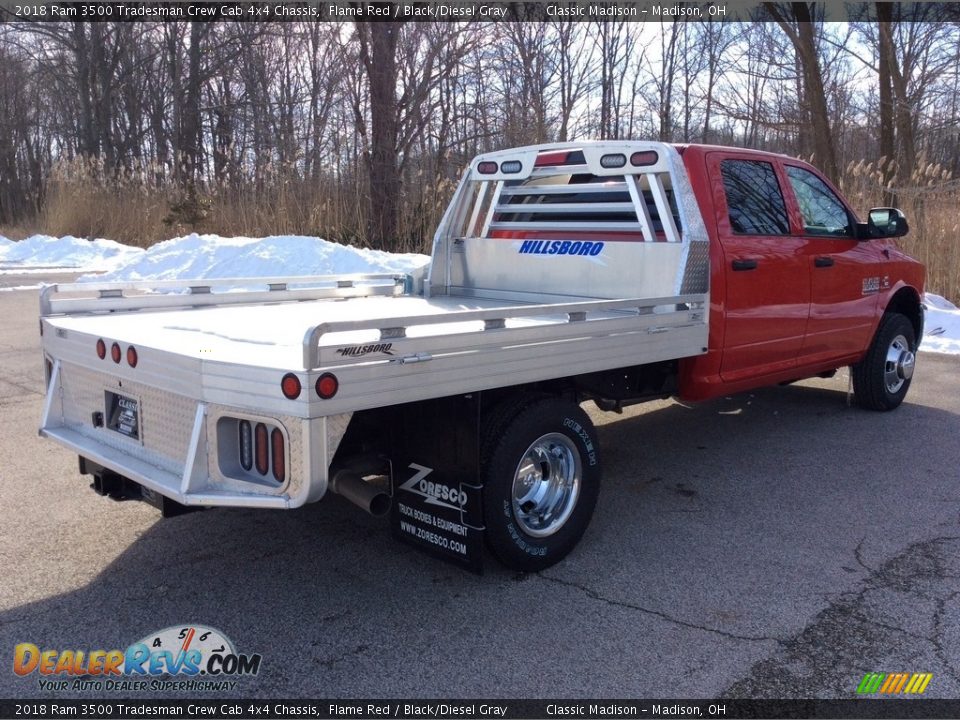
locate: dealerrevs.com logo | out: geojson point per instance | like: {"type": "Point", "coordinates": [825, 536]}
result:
{"type": "Point", "coordinates": [187, 657]}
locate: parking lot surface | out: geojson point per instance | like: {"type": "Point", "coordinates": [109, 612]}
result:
{"type": "Point", "coordinates": [772, 544]}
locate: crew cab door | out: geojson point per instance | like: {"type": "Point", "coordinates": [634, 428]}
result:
{"type": "Point", "coordinates": [845, 274]}
{"type": "Point", "coordinates": [765, 272]}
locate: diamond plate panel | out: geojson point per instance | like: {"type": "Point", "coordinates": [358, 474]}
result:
{"type": "Point", "coordinates": [166, 419]}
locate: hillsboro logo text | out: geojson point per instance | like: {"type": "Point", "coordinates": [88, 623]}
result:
{"type": "Point", "coordinates": [894, 683]}
{"type": "Point", "coordinates": [180, 657]}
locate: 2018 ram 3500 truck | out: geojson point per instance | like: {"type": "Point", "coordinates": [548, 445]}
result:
{"type": "Point", "coordinates": [608, 271]}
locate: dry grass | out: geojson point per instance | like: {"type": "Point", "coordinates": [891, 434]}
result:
{"type": "Point", "coordinates": [144, 206]}
{"type": "Point", "coordinates": [931, 202]}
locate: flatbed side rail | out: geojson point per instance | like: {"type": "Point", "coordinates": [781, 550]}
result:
{"type": "Point", "coordinates": [494, 318]}
{"type": "Point", "coordinates": [93, 297]}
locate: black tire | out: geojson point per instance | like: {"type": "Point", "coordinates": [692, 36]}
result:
{"type": "Point", "coordinates": [881, 380]}
{"type": "Point", "coordinates": [561, 435]}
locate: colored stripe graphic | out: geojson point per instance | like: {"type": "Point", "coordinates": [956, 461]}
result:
{"type": "Point", "coordinates": [894, 683]}
{"type": "Point", "coordinates": [871, 683]}
{"type": "Point", "coordinates": [889, 683]}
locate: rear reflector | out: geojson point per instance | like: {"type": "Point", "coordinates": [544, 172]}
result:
{"type": "Point", "coordinates": [290, 386]}
{"type": "Point", "coordinates": [279, 461]}
{"type": "Point", "coordinates": [647, 157]}
{"type": "Point", "coordinates": [101, 349]}
{"type": "Point", "coordinates": [327, 386]}
{"type": "Point", "coordinates": [246, 445]}
{"type": "Point", "coordinates": [262, 450]}
{"type": "Point", "coordinates": [132, 356]}
{"type": "Point", "coordinates": [115, 353]}
{"type": "Point", "coordinates": [487, 168]}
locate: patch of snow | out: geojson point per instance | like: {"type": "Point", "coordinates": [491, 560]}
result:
{"type": "Point", "coordinates": [941, 326]}
{"type": "Point", "coordinates": [43, 252]}
{"type": "Point", "coordinates": [21, 287]}
{"type": "Point", "coordinates": [212, 256]}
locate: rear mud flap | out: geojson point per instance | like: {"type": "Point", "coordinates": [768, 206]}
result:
{"type": "Point", "coordinates": [439, 515]}
{"type": "Point", "coordinates": [437, 497]}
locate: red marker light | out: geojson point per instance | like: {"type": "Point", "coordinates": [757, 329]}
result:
{"type": "Point", "coordinates": [115, 353]}
{"type": "Point", "coordinates": [487, 168]}
{"type": "Point", "coordinates": [648, 157]}
{"type": "Point", "coordinates": [327, 386]}
{"type": "Point", "coordinates": [290, 385]}
{"type": "Point", "coordinates": [101, 349]}
{"type": "Point", "coordinates": [279, 461]}
{"type": "Point", "coordinates": [132, 356]}
{"type": "Point", "coordinates": [556, 157]}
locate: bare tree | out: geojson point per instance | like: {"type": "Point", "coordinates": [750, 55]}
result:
{"type": "Point", "coordinates": [797, 22]}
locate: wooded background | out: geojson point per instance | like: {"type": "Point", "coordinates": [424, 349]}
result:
{"type": "Point", "coordinates": [358, 132]}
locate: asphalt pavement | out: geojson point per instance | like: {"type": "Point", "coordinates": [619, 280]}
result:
{"type": "Point", "coordinates": [772, 544]}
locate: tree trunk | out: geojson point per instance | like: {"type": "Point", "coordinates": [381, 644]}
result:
{"type": "Point", "coordinates": [885, 54]}
{"type": "Point", "coordinates": [378, 51]}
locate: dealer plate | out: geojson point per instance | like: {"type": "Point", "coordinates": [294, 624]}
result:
{"type": "Point", "coordinates": [123, 414]}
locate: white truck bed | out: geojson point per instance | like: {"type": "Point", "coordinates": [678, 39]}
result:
{"type": "Point", "coordinates": [498, 310]}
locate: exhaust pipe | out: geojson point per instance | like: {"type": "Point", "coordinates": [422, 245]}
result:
{"type": "Point", "coordinates": [350, 485]}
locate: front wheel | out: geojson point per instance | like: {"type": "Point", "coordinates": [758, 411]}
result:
{"type": "Point", "coordinates": [882, 378]}
{"type": "Point", "coordinates": [541, 477]}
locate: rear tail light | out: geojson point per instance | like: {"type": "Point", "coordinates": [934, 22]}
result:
{"type": "Point", "coordinates": [115, 353]}
{"type": "Point", "coordinates": [327, 386]}
{"type": "Point", "coordinates": [101, 349]}
{"type": "Point", "coordinates": [246, 445]}
{"type": "Point", "coordinates": [279, 461]}
{"type": "Point", "coordinates": [262, 450]}
{"type": "Point", "coordinates": [487, 168]}
{"type": "Point", "coordinates": [132, 356]}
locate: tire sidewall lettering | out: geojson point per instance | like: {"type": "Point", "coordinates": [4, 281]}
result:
{"type": "Point", "coordinates": [518, 537]}
{"type": "Point", "coordinates": [580, 433]}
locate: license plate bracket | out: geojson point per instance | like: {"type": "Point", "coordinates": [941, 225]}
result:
{"type": "Point", "coordinates": [122, 414]}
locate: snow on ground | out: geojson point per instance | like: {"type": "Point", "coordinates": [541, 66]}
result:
{"type": "Point", "coordinates": [212, 256]}
{"type": "Point", "coordinates": [42, 253]}
{"type": "Point", "coordinates": [941, 330]}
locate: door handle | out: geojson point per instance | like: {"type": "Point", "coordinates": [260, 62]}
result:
{"type": "Point", "coordinates": [823, 262]}
{"type": "Point", "coordinates": [744, 265]}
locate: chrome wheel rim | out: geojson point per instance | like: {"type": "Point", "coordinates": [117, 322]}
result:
{"type": "Point", "coordinates": [546, 485]}
{"type": "Point", "coordinates": [898, 365]}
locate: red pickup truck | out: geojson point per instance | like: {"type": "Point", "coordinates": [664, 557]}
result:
{"type": "Point", "coordinates": [611, 272]}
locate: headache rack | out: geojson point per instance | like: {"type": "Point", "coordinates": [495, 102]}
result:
{"type": "Point", "coordinates": [520, 216]}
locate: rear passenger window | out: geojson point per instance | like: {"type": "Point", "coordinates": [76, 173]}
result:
{"type": "Point", "coordinates": [754, 199]}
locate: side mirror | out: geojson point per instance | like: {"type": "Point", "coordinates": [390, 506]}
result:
{"type": "Point", "coordinates": [887, 223]}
